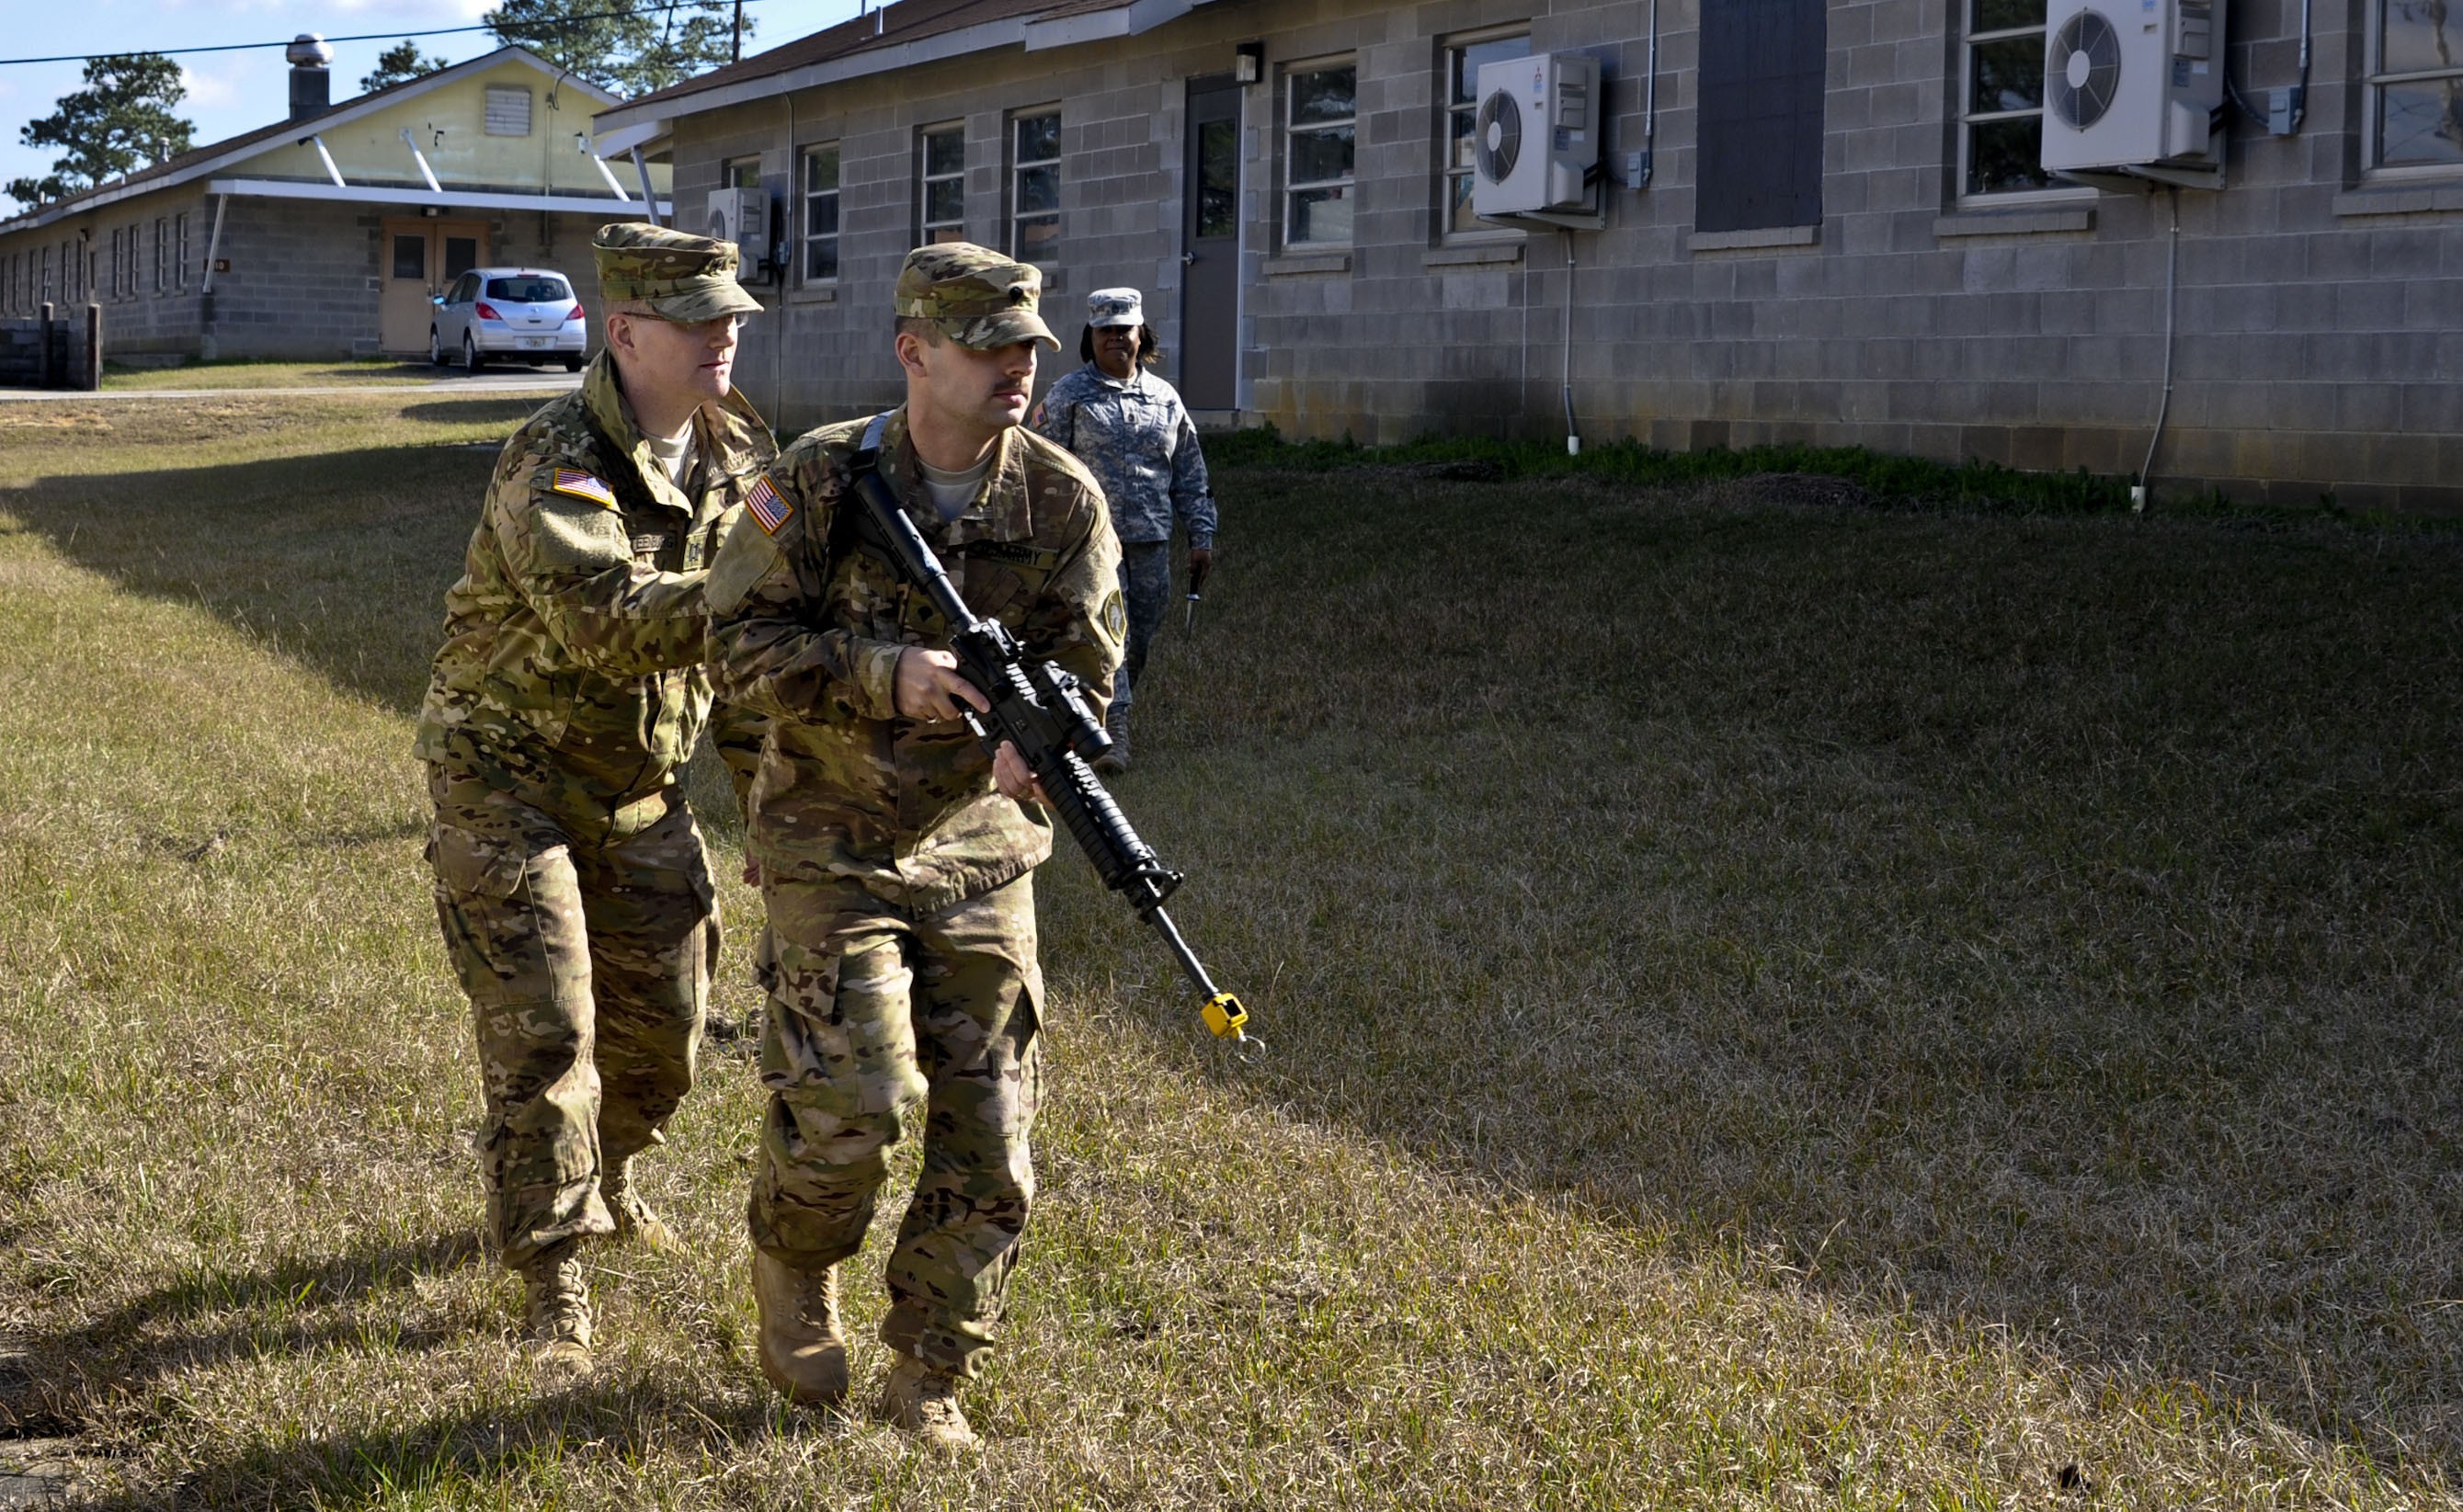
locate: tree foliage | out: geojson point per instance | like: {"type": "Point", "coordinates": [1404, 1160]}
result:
{"type": "Point", "coordinates": [398, 63]}
{"type": "Point", "coordinates": [120, 119]}
{"type": "Point", "coordinates": [630, 52]}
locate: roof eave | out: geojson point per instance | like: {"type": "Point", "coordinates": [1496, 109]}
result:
{"type": "Point", "coordinates": [1022, 31]}
{"type": "Point", "coordinates": [364, 105]}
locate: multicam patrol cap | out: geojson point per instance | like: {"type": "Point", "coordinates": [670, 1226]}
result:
{"type": "Point", "coordinates": [683, 277]}
{"type": "Point", "coordinates": [978, 297]}
{"type": "Point", "coordinates": [1115, 306]}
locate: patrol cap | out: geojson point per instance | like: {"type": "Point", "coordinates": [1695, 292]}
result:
{"type": "Point", "coordinates": [683, 277]}
{"type": "Point", "coordinates": [977, 298]}
{"type": "Point", "coordinates": [1116, 306]}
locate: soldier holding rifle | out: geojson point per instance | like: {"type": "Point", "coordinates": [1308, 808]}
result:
{"type": "Point", "coordinates": [897, 857]}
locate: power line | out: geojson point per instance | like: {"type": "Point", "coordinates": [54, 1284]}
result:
{"type": "Point", "coordinates": [671, 7]}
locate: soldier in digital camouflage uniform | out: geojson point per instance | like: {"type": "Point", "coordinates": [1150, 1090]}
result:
{"type": "Point", "coordinates": [1132, 430]}
{"type": "Point", "coordinates": [896, 858]}
{"type": "Point", "coordinates": [571, 883]}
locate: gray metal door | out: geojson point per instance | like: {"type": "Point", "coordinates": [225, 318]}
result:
{"type": "Point", "coordinates": [1210, 285]}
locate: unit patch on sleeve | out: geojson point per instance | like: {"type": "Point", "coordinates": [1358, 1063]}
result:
{"type": "Point", "coordinates": [768, 507]}
{"type": "Point", "coordinates": [584, 485]}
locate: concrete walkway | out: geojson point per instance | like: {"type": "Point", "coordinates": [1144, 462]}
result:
{"type": "Point", "coordinates": [485, 384]}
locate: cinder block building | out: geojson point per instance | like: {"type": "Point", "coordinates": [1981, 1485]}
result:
{"type": "Point", "coordinates": [324, 234]}
{"type": "Point", "coordinates": [1821, 221]}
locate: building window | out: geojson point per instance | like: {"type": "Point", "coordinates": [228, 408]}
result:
{"type": "Point", "coordinates": [821, 213]}
{"type": "Point", "coordinates": [117, 238]}
{"type": "Point", "coordinates": [179, 244]}
{"type": "Point", "coordinates": [1317, 105]}
{"type": "Point", "coordinates": [2416, 86]}
{"type": "Point", "coordinates": [1464, 59]}
{"type": "Point", "coordinates": [2001, 126]}
{"type": "Point", "coordinates": [45, 287]}
{"type": "Point", "coordinates": [1757, 134]}
{"type": "Point", "coordinates": [508, 111]}
{"type": "Point", "coordinates": [162, 249]}
{"type": "Point", "coordinates": [742, 173]}
{"type": "Point", "coordinates": [1035, 187]}
{"type": "Point", "coordinates": [941, 183]}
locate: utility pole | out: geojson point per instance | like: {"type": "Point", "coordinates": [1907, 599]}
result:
{"type": "Point", "coordinates": [735, 41]}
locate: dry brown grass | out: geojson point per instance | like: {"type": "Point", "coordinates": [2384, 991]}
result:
{"type": "Point", "coordinates": [1770, 1007]}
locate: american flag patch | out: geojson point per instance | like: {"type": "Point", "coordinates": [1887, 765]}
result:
{"type": "Point", "coordinates": [583, 485]}
{"type": "Point", "coordinates": [768, 507]}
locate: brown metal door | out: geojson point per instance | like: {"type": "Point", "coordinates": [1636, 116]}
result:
{"type": "Point", "coordinates": [1210, 284]}
{"type": "Point", "coordinates": [420, 258]}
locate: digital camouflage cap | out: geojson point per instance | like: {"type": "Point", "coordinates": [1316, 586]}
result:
{"type": "Point", "coordinates": [977, 298]}
{"type": "Point", "coordinates": [682, 277]}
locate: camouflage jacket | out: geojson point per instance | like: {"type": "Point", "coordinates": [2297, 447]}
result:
{"type": "Point", "coordinates": [807, 629]}
{"type": "Point", "coordinates": [1137, 437]}
{"type": "Point", "coordinates": [572, 672]}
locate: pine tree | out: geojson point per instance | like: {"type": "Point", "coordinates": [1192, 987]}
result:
{"type": "Point", "coordinates": [653, 45]}
{"type": "Point", "coordinates": [398, 63]}
{"type": "Point", "coordinates": [122, 118]}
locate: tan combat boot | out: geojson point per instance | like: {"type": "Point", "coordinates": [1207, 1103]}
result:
{"type": "Point", "coordinates": [924, 1402]}
{"type": "Point", "coordinates": [633, 1217]}
{"type": "Point", "coordinates": [557, 1308]}
{"type": "Point", "coordinates": [800, 1349]}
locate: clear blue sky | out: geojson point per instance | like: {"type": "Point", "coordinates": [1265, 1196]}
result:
{"type": "Point", "coordinates": [229, 93]}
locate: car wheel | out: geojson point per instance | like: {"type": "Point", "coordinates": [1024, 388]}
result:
{"type": "Point", "coordinates": [435, 348]}
{"type": "Point", "coordinates": [472, 361]}
{"type": "Point", "coordinates": [572, 364]}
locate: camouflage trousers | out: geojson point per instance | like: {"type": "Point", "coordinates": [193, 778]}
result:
{"type": "Point", "coordinates": [1146, 589]}
{"type": "Point", "coordinates": [878, 1015]}
{"type": "Point", "coordinates": [587, 952]}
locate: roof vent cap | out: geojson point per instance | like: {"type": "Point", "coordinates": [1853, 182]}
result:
{"type": "Point", "coordinates": [308, 50]}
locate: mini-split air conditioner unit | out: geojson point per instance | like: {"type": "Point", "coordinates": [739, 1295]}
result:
{"type": "Point", "coordinates": [1535, 141]}
{"type": "Point", "coordinates": [741, 216]}
{"type": "Point", "coordinates": [2134, 91]}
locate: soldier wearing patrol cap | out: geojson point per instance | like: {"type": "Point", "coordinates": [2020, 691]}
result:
{"type": "Point", "coordinates": [571, 883]}
{"type": "Point", "coordinates": [897, 860]}
{"type": "Point", "coordinates": [1129, 428]}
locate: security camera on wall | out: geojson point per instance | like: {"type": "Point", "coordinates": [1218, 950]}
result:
{"type": "Point", "coordinates": [2134, 92]}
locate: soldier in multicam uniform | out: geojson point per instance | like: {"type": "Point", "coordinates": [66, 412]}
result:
{"type": "Point", "coordinates": [570, 879]}
{"type": "Point", "coordinates": [897, 860]}
{"type": "Point", "coordinates": [1130, 428]}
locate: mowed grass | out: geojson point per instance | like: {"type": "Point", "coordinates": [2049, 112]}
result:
{"type": "Point", "coordinates": [373, 373]}
{"type": "Point", "coordinates": [1769, 1007]}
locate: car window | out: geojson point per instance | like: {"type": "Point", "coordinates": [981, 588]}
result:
{"type": "Point", "coordinates": [529, 288]}
{"type": "Point", "coordinates": [460, 293]}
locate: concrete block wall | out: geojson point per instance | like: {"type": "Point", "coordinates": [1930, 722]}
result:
{"type": "Point", "coordinates": [21, 352]}
{"type": "Point", "coordinates": [2318, 312]}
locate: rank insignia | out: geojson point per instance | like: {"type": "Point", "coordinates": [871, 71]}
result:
{"type": "Point", "coordinates": [768, 507]}
{"type": "Point", "coordinates": [584, 485]}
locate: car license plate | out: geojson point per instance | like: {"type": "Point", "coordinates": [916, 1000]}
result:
{"type": "Point", "coordinates": [536, 341]}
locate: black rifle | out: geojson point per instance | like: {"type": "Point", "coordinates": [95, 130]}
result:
{"type": "Point", "coordinates": [1035, 708]}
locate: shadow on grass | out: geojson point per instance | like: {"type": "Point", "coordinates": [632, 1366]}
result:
{"type": "Point", "coordinates": [2047, 925]}
{"type": "Point", "coordinates": [205, 1319]}
{"type": "Point", "coordinates": [338, 561]}
{"type": "Point", "coordinates": [605, 1423]}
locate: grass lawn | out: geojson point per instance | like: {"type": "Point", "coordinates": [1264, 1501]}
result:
{"type": "Point", "coordinates": [366, 373]}
{"type": "Point", "coordinates": [1771, 1005]}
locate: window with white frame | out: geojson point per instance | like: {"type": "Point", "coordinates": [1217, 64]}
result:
{"type": "Point", "coordinates": [2416, 85]}
{"type": "Point", "coordinates": [45, 289]}
{"type": "Point", "coordinates": [941, 183]}
{"type": "Point", "coordinates": [1035, 187]}
{"type": "Point", "coordinates": [118, 258]}
{"type": "Point", "coordinates": [821, 231]}
{"type": "Point", "coordinates": [2001, 119]}
{"type": "Point", "coordinates": [161, 251]}
{"type": "Point", "coordinates": [1318, 116]}
{"type": "Point", "coordinates": [180, 245]}
{"type": "Point", "coordinates": [507, 110]}
{"type": "Point", "coordinates": [1464, 57]}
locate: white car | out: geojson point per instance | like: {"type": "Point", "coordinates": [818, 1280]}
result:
{"type": "Point", "coordinates": [517, 314]}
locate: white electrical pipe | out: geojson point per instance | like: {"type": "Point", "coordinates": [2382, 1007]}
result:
{"type": "Point", "coordinates": [2172, 309]}
{"type": "Point", "coordinates": [1573, 437]}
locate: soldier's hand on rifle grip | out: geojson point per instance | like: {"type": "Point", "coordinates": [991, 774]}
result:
{"type": "Point", "coordinates": [928, 686]}
{"type": "Point", "coordinates": [1013, 776]}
